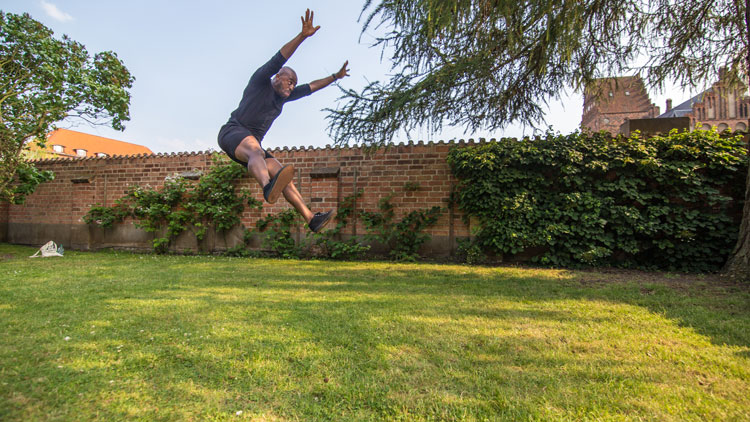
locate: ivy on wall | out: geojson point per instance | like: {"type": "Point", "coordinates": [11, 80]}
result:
{"type": "Point", "coordinates": [179, 205]}
{"type": "Point", "coordinates": [278, 233]}
{"type": "Point", "coordinates": [668, 202]}
{"type": "Point", "coordinates": [215, 203]}
{"type": "Point", "coordinates": [329, 243]}
{"type": "Point", "coordinates": [403, 237]}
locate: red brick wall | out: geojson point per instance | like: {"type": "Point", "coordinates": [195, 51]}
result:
{"type": "Point", "coordinates": [81, 183]}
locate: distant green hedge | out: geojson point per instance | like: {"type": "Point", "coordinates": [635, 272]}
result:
{"type": "Point", "coordinates": [669, 202]}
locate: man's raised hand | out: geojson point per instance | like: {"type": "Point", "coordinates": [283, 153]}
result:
{"type": "Point", "coordinates": [308, 29]}
{"type": "Point", "coordinates": [343, 72]}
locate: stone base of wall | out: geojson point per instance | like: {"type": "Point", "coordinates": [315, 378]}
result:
{"type": "Point", "coordinates": [35, 234]}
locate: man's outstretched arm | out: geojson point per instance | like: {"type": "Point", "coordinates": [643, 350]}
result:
{"type": "Point", "coordinates": [322, 83]}
{"type": "Point", "coordinates": [308, 30]}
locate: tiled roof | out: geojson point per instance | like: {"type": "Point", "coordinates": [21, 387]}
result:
{"type": "Point", "coordinates": [72, 141]}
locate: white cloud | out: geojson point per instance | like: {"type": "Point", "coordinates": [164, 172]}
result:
{"type": "Point", "coordinates": [55, 13]}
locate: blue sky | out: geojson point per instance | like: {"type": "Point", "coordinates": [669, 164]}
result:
{"type": "Point", "coordinates": [192, 59]}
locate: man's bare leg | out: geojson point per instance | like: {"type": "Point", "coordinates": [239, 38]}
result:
{"type": "Point", "coordinates": [249, 150]}
{"type": "Point", "coordinates": [291, 194]}
{"type": "Point", "coordinates": [315, 222]}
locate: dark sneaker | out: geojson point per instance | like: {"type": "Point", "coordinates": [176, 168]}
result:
{"type": "Point", "coordinates": [273, 189]}
{"type": "Point", "coordinates": [319, 220]}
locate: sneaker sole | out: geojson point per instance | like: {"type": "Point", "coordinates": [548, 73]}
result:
{"type": "Point", "coordinates": [282, 179]}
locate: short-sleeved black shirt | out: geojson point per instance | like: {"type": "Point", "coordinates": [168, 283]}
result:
{"type": "Point", "coordinates": [260, 104]}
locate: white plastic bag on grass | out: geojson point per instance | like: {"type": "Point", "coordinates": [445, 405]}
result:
{"type": "Point", "coordinates": [49, 249]}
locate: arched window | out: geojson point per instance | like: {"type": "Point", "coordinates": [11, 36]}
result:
{"type": "Point", "coordinates": [722, 127]}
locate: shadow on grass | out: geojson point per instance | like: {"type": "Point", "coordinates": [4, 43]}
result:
{"type": "Point", "coordinates": [718, 311]}
{"type": "Point", "coordinates": [379, 357]}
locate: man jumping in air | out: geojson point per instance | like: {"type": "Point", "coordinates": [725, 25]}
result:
{"type": "Point", "coordinates": [272, 85]}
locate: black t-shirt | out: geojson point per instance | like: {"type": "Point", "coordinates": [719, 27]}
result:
{"type": "Point", "coordinates": [260, 104]}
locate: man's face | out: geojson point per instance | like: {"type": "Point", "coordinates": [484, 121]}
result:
{"type": "Point", "coordinates": [284, 82]}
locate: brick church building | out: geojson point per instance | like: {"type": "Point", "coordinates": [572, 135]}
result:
{"type": "Point", "coordinates": [618, 105]}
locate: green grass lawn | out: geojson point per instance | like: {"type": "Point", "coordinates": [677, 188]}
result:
{"type": "Point", "coordinates": [118, 336]}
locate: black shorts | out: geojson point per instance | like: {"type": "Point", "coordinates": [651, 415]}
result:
{"type": "Point", "coordinates": [230, 137]}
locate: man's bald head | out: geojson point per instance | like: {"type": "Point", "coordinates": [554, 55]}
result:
{"type": "Point", "coordinates": [284, 81]}
{"type": "Point", "coordinates": [290, 72]}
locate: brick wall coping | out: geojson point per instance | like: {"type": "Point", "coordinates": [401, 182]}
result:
{"type": "Point", "coordinates": [470, 141]}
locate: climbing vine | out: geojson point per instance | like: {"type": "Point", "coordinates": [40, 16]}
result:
{"type": "Point", "coordinates": [278, 233]}
{"type": "Point", "coordinates": [403, 237]}
{"type": "Point", "coordinates": [180, 205]}
{"type": "Point", "coordinates": [329, 242]}
{"type": "Point", "coordinates": [213, 202]}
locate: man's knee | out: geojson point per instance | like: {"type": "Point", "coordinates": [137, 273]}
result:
{"type": "Point", "coordinates": [252, 144]}
{"type": "Point", "coordinates": [255, 152]}
{"type": "Point", "coordinates": [249, 148]}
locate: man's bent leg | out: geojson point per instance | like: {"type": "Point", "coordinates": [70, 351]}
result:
{"type": "Point", "coordinates": [291, 194]}
{"type": "Point", "coordinates": [273, 183]}
{"type": "Point", "coordinates": [249, 150]}
{"type": "Point", "coordinates": [316, 222]}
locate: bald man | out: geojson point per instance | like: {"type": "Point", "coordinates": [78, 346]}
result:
{"type": "Point", "coordinates": [270, 87]}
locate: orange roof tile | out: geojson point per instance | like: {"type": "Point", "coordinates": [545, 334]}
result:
{"type": "Point", "coordinates": [72, 141]}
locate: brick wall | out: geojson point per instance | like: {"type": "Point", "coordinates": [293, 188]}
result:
{"type": "Point", "coordinates": [324, 176]}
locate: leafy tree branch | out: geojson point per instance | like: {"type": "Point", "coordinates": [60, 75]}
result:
{"type": "Point", "coordinates": [45, 80]}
